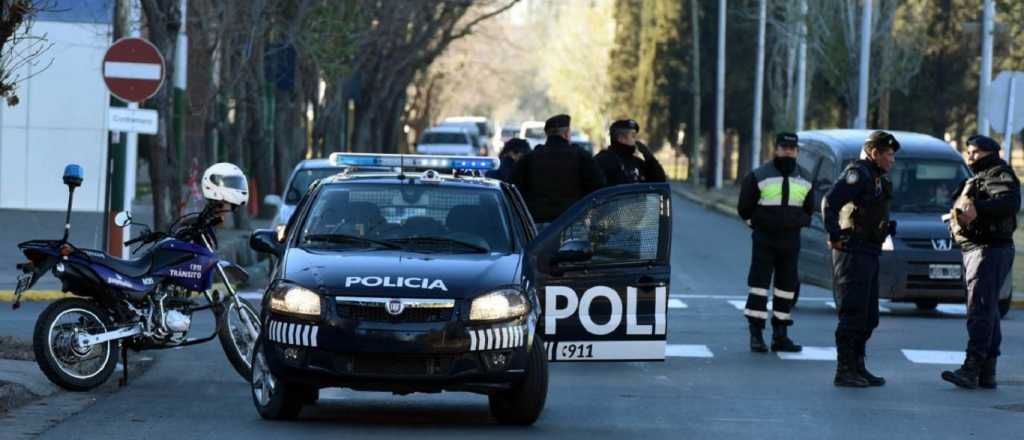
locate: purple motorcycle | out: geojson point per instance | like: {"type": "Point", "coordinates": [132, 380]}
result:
{"type": "Point", "coordinates": [140, 304]}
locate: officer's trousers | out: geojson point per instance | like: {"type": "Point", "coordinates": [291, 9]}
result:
{"type": "Point", "coordinates": [987, 269]}
{"type": "Point", "coordinates": [770, 256]}
{"type": "Point", "coordinates": [855, 282]}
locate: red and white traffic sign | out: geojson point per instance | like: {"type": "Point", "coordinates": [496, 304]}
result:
{"type": "Point", "coordinates": [133, 69]}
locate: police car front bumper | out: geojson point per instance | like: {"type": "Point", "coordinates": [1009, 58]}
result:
{"type": "Point", "coordinates": [397, 357]}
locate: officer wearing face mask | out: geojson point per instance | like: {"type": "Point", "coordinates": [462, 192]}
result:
{"type": "Point", "coordinates": [775, 200]}
{"type": "Point", "coordinates": [628, 160]}
{"type": "Point", "coordinates": [984, 218]}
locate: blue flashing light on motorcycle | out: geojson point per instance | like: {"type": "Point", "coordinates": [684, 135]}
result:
{"type": "Point", "coordinates": [143, 303]}
{"type": "Point", "coordinates": [414, 161]}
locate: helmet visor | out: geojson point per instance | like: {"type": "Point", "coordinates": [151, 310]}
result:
{"type": "Point", "coordinates": [230, 182]}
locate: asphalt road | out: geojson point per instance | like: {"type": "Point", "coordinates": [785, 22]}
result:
{"type": "Point", "coordinates": [711, 387]}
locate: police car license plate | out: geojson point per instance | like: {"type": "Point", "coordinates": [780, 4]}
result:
{"type": "Point", "coordinates": [944, 271]}
{"type": "Point", "coordinates": [23, 281]}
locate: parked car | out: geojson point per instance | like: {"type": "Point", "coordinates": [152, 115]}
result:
{"type": "Point", "coordinates": [483, 134]}
{"type": "Point", "coordinates": [581, 140]}
{"type": "Point", "coordinates": [303, 175]}
{"type": "Point", "coordinates": [921, 264]}
{"type": "Point", "coordinates": [533, 132]}
{"type": "Point", "coordinates": [447, 139]}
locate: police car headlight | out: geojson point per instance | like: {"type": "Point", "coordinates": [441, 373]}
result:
{"type": "Point", "coordinates": [498, 305]}
{"type": "Point", "coordinates": [297, 300]}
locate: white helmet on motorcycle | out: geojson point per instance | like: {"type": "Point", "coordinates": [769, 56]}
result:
{"type": "Point", "coordinates": [227, 183]}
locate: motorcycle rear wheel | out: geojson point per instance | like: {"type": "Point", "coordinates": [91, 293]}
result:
{"type": "Point", "coordinates": [65, 363]}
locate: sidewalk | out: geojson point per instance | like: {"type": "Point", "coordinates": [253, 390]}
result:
{"type": "Point", "coordinates": [724, 202]}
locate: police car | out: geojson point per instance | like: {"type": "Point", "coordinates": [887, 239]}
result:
{"type": "Point", "coordinates": [426, 278]}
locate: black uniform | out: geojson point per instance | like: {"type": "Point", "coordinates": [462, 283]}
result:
{"type": "Point", "coordinates": [554, 176]}
{"type": "Point", "coordinates": [988, 250]}
{"type": "Point", "coordinates": [629, 164]}
{"type": "Point", "coordinates": [856, 212]}
{"type": "Point", "coordinates": [776, 202]}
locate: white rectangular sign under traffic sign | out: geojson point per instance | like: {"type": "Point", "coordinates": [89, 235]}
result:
{"type": "Point", "coordinates": [140, 120]}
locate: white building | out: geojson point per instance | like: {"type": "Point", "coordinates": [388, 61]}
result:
{"type": "Point", "coordinates": [61, 119]}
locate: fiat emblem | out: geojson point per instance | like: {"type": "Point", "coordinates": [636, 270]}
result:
{"type": "Point", "coordinates": [395, 307]}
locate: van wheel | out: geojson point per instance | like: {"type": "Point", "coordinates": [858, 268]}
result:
{"type": "Point", "coordinates": [926, 305]}
{"type": "Point", "coordinates": [523, 403]}
{"type": "Point", "coordinates": [1004, 306]}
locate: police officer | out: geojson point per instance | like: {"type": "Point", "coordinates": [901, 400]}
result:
{"type": "Point", "coordinates": [985, 218]}
{"type": "Point", "coordinates": [775, 200]}
{"type": "Point", "coordinates": [513, 150]}
{"type": "Point", "coordinates": [627, 160]}
{"type": "Point", "coordinates": [856, 216]}
{"type": "Point", "coordinates": [556, 174]}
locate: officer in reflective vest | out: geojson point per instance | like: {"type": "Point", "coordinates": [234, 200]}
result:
{"type": "Point", "coordinates": [775, 200]}
{"type": "Point", "coordinates": [856, 217]}
{"type": "Point", "coordinates": [983, 220]}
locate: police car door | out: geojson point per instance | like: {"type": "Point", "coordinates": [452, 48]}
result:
{"type": "Point", "coordinates": [602, 274]}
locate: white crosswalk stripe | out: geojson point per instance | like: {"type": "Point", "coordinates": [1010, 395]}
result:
{"type": "Point", "coordinates": [811, 354]}
{"type": "Point", "coordinates": [881, 308]}
{"type": "Point", "coordinates": [688, 351]}
{"type": "Point", "coordinates": [939, 357]}
{"type": "Point", "coordinates": [674, 303]}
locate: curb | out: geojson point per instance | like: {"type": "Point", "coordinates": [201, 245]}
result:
{"type": "Point", "coordinates": [1018, 297]}
{"type": "Point", "coordinates": [34, 295]}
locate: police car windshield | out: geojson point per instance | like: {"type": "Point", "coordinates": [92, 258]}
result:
{"type": "Point", "coordinates": [535, 133]}
{"type": "Point", "coordinates": [416, 216]}
{"type": "Point", "coordinates": [925, 186]}
{"type": "Point", "coordinates": [303, 178]}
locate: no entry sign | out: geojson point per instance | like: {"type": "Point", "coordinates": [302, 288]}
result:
{"type": "Point", "coordinates": [133, 69]}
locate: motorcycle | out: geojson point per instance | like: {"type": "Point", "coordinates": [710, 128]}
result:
{"type": "Point", "coordinates": [144, 303]}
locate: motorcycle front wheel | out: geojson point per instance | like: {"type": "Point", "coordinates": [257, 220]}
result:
{"type": "Point", "coordinates": [59, 352]}
{"type": "Point", "coordinates": [235, 336]}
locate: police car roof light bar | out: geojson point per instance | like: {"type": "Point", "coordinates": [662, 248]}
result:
{"type": "Point", "coordinates": [416, 161]}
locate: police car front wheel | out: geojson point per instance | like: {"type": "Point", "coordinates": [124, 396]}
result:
{"type": "Point", "coordinates": [274, 398]}
{"type": "Point", "coordinates": [523, 403]}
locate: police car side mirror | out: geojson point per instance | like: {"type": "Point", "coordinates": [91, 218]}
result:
{"type": "Point", "coordinates": [265, 241]}
{"type": "Point", "coordinates": [573, 251]}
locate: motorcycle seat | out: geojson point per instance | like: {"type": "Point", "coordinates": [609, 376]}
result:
{"type": "Point", "coordinates": [134, 268]}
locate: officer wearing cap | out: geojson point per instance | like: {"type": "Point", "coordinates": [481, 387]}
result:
{"type": "Point", "coordinates": [628, 160]}
{"type": "Point", "coordinates": [984, 217]}
{"type": "Point", "coordinates": [856, 217]}
{"type": "Point", "coordinates": [775, 200]}
{"type": "Point", "coordinates": [556, 174]}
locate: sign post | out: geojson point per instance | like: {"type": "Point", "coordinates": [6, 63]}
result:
{"type": "Point", "coordinates": [133, 70]}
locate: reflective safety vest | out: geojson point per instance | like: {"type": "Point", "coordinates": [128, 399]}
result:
{"type": "Point", "coordinates": [781, 201]}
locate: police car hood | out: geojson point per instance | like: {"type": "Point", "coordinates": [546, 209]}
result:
{"type": "Point", "coordinates": [914, 225]}
{"type": "Point", "coordinates": [399, 273]}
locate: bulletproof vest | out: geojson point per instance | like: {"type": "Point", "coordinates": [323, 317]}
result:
{"type": "Point", "coordinates": [554, 181]}
{"type": "Point", "coordinates": [780, 205]}
{"type": "Point", "coordinates": [983, 229]}
{"type": "Point", "coordinates": [867, 217]}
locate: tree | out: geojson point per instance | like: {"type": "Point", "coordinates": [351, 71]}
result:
{"type": "Point", "coordinates": [163, 19]}
{"type": "Point", "coordinates": [834, 44]}
{"type": "Point", "coordinates": [398, 42]}
{"type": "Point", "coordinates": [19, 47]}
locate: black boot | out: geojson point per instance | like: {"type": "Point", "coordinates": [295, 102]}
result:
{"type": "Point", "coordinates": [987, 378]}
{"type": "Point", "coordinates": [757, 344]}
{"type": "Point", "coordinates": [846, 367]}
{"type": "Point", "coordinates": [781, 342]}
{"type": "Point", "coordinates": [967, 375]}
{"type": "Point", "coordinates": [875, 381]}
